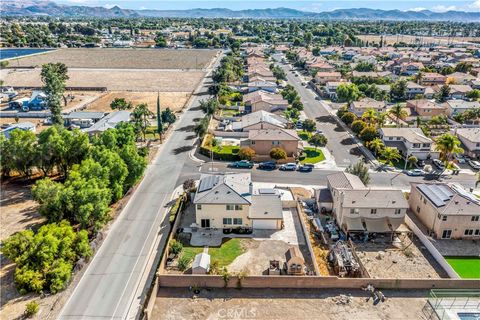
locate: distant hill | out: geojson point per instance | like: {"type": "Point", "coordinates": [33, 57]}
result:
{"type": "Point", "coordinates": [44, 7]}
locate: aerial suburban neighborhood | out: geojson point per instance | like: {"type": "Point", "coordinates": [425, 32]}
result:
{"type": "Point", "coordinates": [239, 163]}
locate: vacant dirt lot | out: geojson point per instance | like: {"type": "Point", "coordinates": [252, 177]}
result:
{"type": "Point", "coordinates": [285, 304]}
{"type": "Point", "coordinates": [412, 39]}
{"type": "Point", "coordinates": [122, 58]}
{"type": "Point", "coordinates": [173, 100]}
{"type": "Point", "coordinates": [115, 80]}
{"type": "Point", "coordinates": [403, 260]}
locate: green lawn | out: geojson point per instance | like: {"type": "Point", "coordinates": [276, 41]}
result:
{"type": "Point", "coordinates": [226, 149]}
{"type": "Point", "coordinates": [400, 164]}
{"type": "Point", "coordinates": [304, 135]}
{"type": "Point", "coordinates": [225, 254]}
{"type": "Point", "coordinates": [466, 267]}
{"type": "Point", "coordinates": [229, 113]}
{"type": "Point", "coordinates": [312, 155]}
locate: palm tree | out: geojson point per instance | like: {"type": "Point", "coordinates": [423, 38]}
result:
{"type": "Point", "coordinates": [370, 116]}
{"type": "Point", "coordinates": [448, 145]}
{"type": "Point", "coordinates": [382, 117]}
{"type": "Point", "coordinates": [391, 155]}
{"type": "Point", "coordinates": [376, 145]}
{"type": "Point", "coordinates": [140, 115]}
{"type": "Point", "coordinates": [399, 112]}
{"type": "Point", "coordinates": [411, 161]}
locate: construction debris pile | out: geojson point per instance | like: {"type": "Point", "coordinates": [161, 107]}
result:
{"type": "Point", "coordinates": [343, 260]}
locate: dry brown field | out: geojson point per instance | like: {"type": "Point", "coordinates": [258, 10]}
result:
{"type": "Point", "coordinates": [391, 39]}
{"type": "Point", "coordinates": [122, 58]}
{"type": "Point", "coordinates": [115, 80]}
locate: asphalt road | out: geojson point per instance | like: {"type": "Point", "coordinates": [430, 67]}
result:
{"type": "Point", "coordinates": [109, 286]}
{"type": "Point", "coordinates": [341, 145]}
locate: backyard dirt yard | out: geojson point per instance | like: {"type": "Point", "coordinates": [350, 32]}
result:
{"type": "Point", "coordinates": [122, 58]}
{"type": "Point", "coordinates": [173, 100]}
{"type": "Point", "coordinates": [265, 304]}
{"type": "Point", "coordinates": [384, 260]}
{"type": "Point", "coordinates": [412, 39]}
{"type": "Point", "coordinates": [115, 80]}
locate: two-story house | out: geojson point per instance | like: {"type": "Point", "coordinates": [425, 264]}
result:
{"type": "Point", "coordinates": [266, 101]}
{"type": "Point", "coordinates": [227, 201]}
{"type": "Point", "coordinates": [455, 107]}
{"type": "Point", "coordinates": [426, 108]}
{"type": "Point", "coordinates": [324, 77]}
{"type": "Point", "coordinates": [357, 208]}
{"type": "Point", "coordinates": [432, 78]}
{"type": "Point", "coordinates": [409, 141]}
{"type": "Point", "coordinates": [264, 140]}
{"type": "Point", "coordinates": [260, 120]}
{"type": "Point", "coordinates": [359, 107]}
{"type": "Point", "coordinates": [414, 89]}
{"type": "Point", "coordinates": [447, 210]}
{"type": "Point", "coordinates": [470, 138]}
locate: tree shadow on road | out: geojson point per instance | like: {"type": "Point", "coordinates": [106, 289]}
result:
{"type": "Point", "coordinates": [182, 149]}
{"type": "Point", "coordinates": [356, 152]}
{"type": "Point", "coordinates": [188, 128]}
{"type": "Point", "coordinates": [197, 108]}
{"type": "Point", "coordinates": [338, 128]}
{"type": "Point", "coordinates": [190, 137]}
{"type": "Point", "coordinates": [328, 119]}
{"type": "Point", "coordinates": [347, 141]}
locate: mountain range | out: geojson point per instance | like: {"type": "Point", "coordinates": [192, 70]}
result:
{"type": "Point", "coordinates": [49, 8]}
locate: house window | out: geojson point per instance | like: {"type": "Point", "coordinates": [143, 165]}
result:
{"type": "Point", "coordinates": [237, 221]}
{"type": "Point", "coordinates": [416, 145]}
{"type": "Point", "coordinates": [444, 218]}
{"type": "Point", "coordinates": [477, 232]}
{"type": "Point", "coordinates": [199, 207]}
{"type": "Point", "coordinates": [399, 138]}
{"type": "Point", "coordinates": [373, 211]}
{"type": "Point", "coordinates": [398, 211]}
{"type": "Point", "coordinates": [447, 234]}
{"type": "Point", "coordinates": [253, 142]}
{"type": "Point", "coordinates": [227, 220]}
{"type": "Point", "coordinates": [475, 218]}
{"type": "Point", "coordinates": [468, 232]}
{"type": "Point", "coordinates": [390, 138]}
{"type": "Point", "coordinates": [238, 207]}
{"type": "Point", "coordinates": [353, 211]}
{"type": "Point", "coordinates": [230, 207]}
{"type": "Point", "coordinates": [426, 145]}
{"type": "Point", "coordinates": [275, 142]}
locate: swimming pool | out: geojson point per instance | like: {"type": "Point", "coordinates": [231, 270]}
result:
{"type": "Point", "coordinates": [19, 52]}
{"type": "Point", "coordinates": [468, 316]}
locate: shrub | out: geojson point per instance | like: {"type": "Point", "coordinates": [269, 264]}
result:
{"type": "Point", "coordinates": [348, 118]}
{"type": "Point", "coordinates": [31, 309]}
{"type": "Point", "coordinates": [368, 133]}
{"type": "Point", "coordinates": [175, 247]}
{"type": "Point", "coordinates": [358, 126]}
{"type": "Point", "coordinates": [278, 154]}
{"type": "Point", "coordinates": [183, 263]}
{"type": "Point", "coordinates": [246, 153]}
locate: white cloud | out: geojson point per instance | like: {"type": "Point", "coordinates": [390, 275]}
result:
{"type": "Point", "coordinates": [442, 8]}
{"type": "Point", "coordinates": [474, 6]}
{"type": "Point", "coordinates": [109, 6]}
{"type": "Point", "coordinates": [417, 9]}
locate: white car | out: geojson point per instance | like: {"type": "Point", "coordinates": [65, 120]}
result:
{"type": "Point", "coordinates": [288, 167]}
{"type": "Point", "coordinates": [474, 164]}
{"type": "Point", "coordinates": [460, 159]}
{"type": "Point", "coordinates": [415, 173]}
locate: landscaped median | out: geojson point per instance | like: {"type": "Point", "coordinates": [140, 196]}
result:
{"type": "Point", "coordinates": [311, 155]}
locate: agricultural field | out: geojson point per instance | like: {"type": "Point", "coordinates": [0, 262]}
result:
{"type": "Point", "coordinates": [122, 58]}
{"type": "Point", "coordinates": [115, 80]}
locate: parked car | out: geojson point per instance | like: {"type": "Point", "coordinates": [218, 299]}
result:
{"type": "Point", "coordinates": [268, 165]}
{"type": "Point", "coordinates": [242, 164]}
{"type": "Point", "coordinates": [439, 164]}
{"type": "Point", "coordinates": [319, 132]}
{"type": "Point", "coordinates": [299, 124]}
{"type": "Point", "coordinates": [474, 164]}
{"type": "Point", "coordinates": [307, 167]}
{"type": "Point", "coordinates": [415, 173]}
{"type": "Point", "coordinates": [288, 166]}
{"type": "Point", "coordinates": [461, 159]}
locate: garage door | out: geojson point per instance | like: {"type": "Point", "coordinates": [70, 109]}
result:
{"type": "Point", "coordinates": [264, 224]}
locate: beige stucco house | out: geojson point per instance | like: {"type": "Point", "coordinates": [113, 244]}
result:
{"type": "Point", "coordinates": [266, 101]}
{"type": "Point", "coordinates": [230, 201]}
{"type": "Point", "coordinates": [264, 140]}
{"type": "Point", "coordinates": [470, 138]}
{"type": "Point", "coordinates": [410, 142]}
{"type": "Point", "coordinates": [447, 210]}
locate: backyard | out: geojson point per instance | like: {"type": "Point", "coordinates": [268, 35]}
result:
{"type": "Point", "coordinates": [466, 267]}
{"type": "Point", "coordinates": [312, 155]}
{"type": "Point", "coordinates": [223, 255]}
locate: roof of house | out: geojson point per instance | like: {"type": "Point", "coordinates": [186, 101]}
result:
{"type": "Point", "coordinates": [373, 198]}
{"type": "Point", "coordinates": [424, 104]}
{"type": "Point", "coordinates": [263, 116]}
{"type": "Point", "coordinates": [328, 74]}
{"type": "Point", "coordinates": [274, 134]}
{"type": "Point", "coordinates": [460, 88]}
{"type": "Point", "coordinates": [294, 253]}
{"type": "Point", "coordinates": [462, 104]}
{"type": "Point", "coordinates": [268, 84]}
{"type": "Point", "coordinates": [367, 103]}
{"type": "Point", "coordinates": [471, 134]}
{"type": "Point", "coordinates": [261, 95]}
{"type": "Point", "coordinates": [84, 115]}
{"type": "Point", "coordinates": [344, 180]}
{"type": "Point", "coordinates": [110, 121]}
{"type": "Point", "coordinates": [224, 189]}
{"type": "Point", "coordinates": [413, 135]}
{"type": "Point", "coordinates": [449, 198]}
{"type": "Point", "coordinates": [266, 204]}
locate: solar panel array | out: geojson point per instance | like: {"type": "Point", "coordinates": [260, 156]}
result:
{"type": "Point", "coordinates": [438, 194]}
{"type": "Point", "coordinates": [208, 183]}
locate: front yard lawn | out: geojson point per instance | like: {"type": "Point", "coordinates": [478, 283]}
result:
{"type": "Point", "coordinates": [466, 267]}
{"type": "Point", "coordinates": [229, 113]}
{"type": "Point", "coordinates": [312, 155]}
{"type": "Point", "coordinates": [224, 255]}
{"type": "Point", "coordinates": [226, 149]}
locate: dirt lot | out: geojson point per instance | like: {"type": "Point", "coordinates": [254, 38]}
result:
{"type": "Point", "coordinates": [412, 39]}
{"type": "Point", "coordinates": [285, 304]}
{"type": "Point", "coordinates": [173, 100]}
{"type": "Point", "coordinates": [115, 80]}
{"type": "Point", "coordinates": [403, 260]}
{"type": "Point", "coordinates": [122, 58]}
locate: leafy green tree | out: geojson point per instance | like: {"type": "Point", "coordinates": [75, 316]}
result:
{"type": "Point", "coordinates": [168, 116]}
{"type": "Point", "coordinates": [116, 168]}
{"type": "Point", "coordinates": [398, 112]}
{"type": "Point", "coordinates": [309, 125]}
{"type": "Point", "coordinates": [278, 154]}
{"type": "Point", "coordinates": [54, 77]}
{"type": "Point", "coordinates": [348, 92]}
{"type": "Point", "coordinates": [411, 161]}
{"type": "Point", "coordinates": [120, 104]}
{"type": "Point", "coordinates": [360, 169]}
{"type": "Point", "coordinates": [370, 116]}
{"type": "Point", "coordinates": [368, 133]}
{"type": "Point", "coordinates": [50, 142]}
{"type": "Point", "coordinates": [448, 145]}
{"type": "Point", "coordinates": [44, 260]}
{"type": "Point", "coordinates": [364, 67]}
{"type": "Point", "coordinates": [318, 140]}
{"type": "Point", "coordinates": [391, 155]}
{"type": "Point", "coordinates": [443, 93]}
{"type": "Point", "coordinates": [358, 126]}
{"type": "Point", "coordinates": [21, 151]}
{"type": "Point", "coordinates": [209, 106]}
{"type": "Point", "coordinates": [52, 198]}
{"type": "Point", "coordinates": [474, 94]}
{"type": "Point", "coordinates": [72, 149]}
{"type": "Point", "coordinates": [463, 66]}
{"type": "Point", "coordinates": [160, 41]}
{"type": "Point", "coordinates": [297, 104]}
{"type": "Point", "coordinates": [376, 145]}
{"type": "Point", "coordinates": [398, 90]}
{"type": "Point", "coordinates": [135, 162]}
{"type": "Point", "coordinates": [348, 118]}
{"type": "Point", "coordinates": [201, 127]}
{"type": "Point", "coordinates": [31, 309]}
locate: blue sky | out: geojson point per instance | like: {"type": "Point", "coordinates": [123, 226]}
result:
{"type": "Point", "coordinates": [316, 6]}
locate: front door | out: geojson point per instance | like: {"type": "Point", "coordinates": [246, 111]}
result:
{"type": "Point", "coordinates": [205, 223]}
{"type": "Point", "coordinates": [446, 234]}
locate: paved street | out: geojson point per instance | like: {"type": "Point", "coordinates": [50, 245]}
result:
{"type": "Point", "coordinates": [340, 143]}
{"type": "Point", "coordinates": [111, 284]}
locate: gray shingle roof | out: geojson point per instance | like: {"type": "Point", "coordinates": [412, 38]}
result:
{"type": "Point", "coordinates": [225, 189]}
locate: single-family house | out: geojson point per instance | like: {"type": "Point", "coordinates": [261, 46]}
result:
{"type": "Point", "coordinates": [266, 101]}
{"type": "Point", "coordinates": [409, 141]}
{"type": "Point", "coordinates": [455, 107]}
{"type": "Point", "coordinates": [264, 140]}
{"type": "Point", "coordinates": [331, 89]}
{"type": "Point", "coordinates": [470, 138]}
{"type": "Point", "coordinates": [448, 211]}
{"type": "Point", "coordinates": [414, 89]}
{"type": "Point", "coordinates": [459, 91]}
{"type": "Point", "coordinates": [357, 208]}
{"type": "Point", "coordinates": [460, 78]}
{"type": "Point", "coordinates": [359, 107]}
{"type": "Point", "coordinates": [432, 78]}
{"type": "Point", "coordinates": [82, 119]}
{"type": "Point", "coordinates": [25, 126]}
{"type": "Point", "coordinates": [260, 120]}
{"type": "Point", "coordinates": [426, 108]}
{"type": "Point", "coordinates": [227, 201]}
{"type": "Point", "coordinates": [262, 85]}
{"type": "Point", "coordinates": [324, 77]}
{"type": "Point", "coordinates": [110, 121]}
